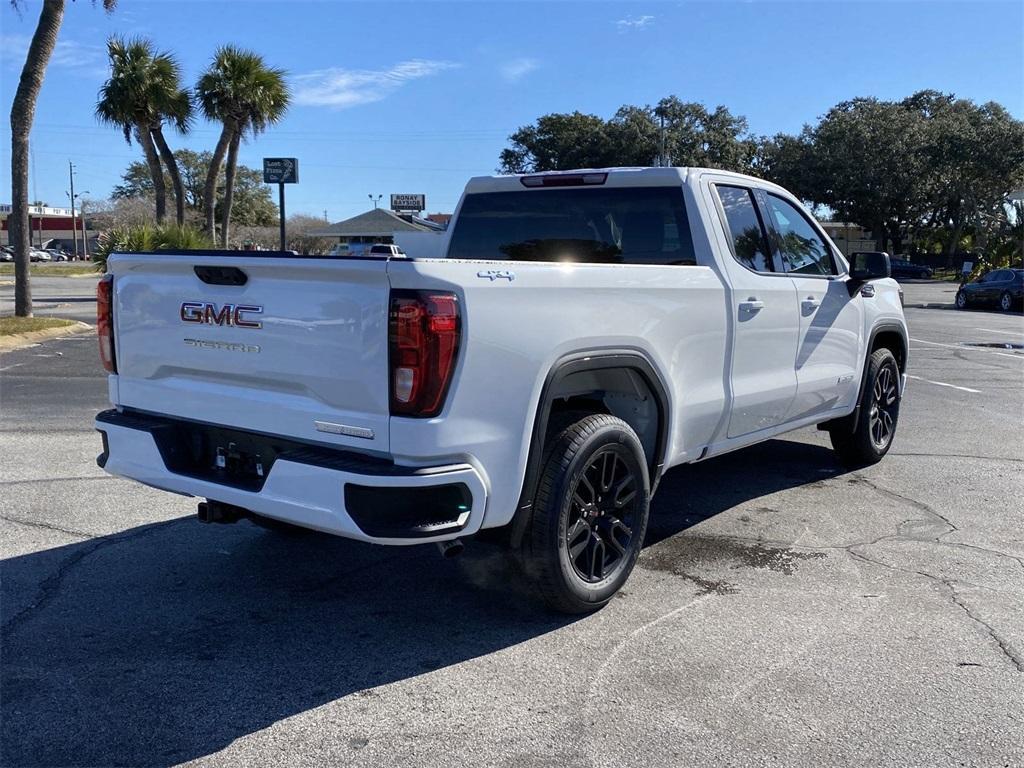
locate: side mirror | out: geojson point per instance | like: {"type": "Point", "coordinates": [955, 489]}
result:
{"type": "Point", "coordinates": [869, 265]}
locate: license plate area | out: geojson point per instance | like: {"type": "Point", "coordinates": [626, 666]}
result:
{"type": "Point", "coordinates": [225, 456]}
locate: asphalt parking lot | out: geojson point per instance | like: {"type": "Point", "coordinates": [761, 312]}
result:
{"type": "Point", "coordinates": [784, 612]}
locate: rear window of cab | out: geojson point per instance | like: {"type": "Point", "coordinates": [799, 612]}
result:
{"type": "Point", "coordinates": [624, 225]}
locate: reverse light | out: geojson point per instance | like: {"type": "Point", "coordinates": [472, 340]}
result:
{"type": "Point", "coordinates": [424, 328]}
{"type": "Point", "coordinates": [105, 321]}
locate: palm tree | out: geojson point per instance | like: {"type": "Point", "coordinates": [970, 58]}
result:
{"type": "Point", "coordinates": [178, 112]}
{"type": "Point", "coordinates": [246, 96]}
{"type": "Point", "coordinates": [143, 91]}
{"type": "Point", "coordinates": [23, 110]}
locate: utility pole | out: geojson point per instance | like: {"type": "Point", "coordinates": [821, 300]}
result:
{"type": "Point", "coordinates": [661, 155]}
{"type": "Point", "coordinates": [74, 224]}
{"type": "Point", "coordinates": [325, 214]}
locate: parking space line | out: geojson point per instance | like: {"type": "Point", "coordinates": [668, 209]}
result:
{"type": "Point", "coordinates": [1005, 333]}
{"type": "Point", "coordinates": [944, 384]}
{"type": "Point", "coordinates": [966, 349]}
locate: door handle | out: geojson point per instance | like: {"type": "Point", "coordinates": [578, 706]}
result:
{"type": "Point", "coordinates": [811, 303]}
{"type": "Point", "coordinates": [751, 305]}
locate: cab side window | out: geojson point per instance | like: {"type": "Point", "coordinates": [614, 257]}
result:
{"type": "Point", "coordinates": [802, 249]}
{"type": "Point", "coordinates": [749, 244]}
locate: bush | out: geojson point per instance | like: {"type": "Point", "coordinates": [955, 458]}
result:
{"type": "Point", "coordinates": [145, 237]}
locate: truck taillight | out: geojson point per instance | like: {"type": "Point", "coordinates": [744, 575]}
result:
{"type": "Point", "coordinates": [423, 343]}
{"type": "Point", "coordinates": [105, 321]}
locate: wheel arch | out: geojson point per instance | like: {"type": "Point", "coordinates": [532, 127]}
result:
{"type": "Point", "coordinates": [623, 384]}
{"type": "Point", "coordinates": [891, 336]}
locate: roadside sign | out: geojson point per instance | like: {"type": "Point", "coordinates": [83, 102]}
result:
{"type": "Point", "coordinates": [280, 170]}
{"type": "Point", "coordinates": [408, 202]}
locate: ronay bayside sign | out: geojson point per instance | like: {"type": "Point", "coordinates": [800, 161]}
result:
{"type": "Point", "coordinates": [408, 202]}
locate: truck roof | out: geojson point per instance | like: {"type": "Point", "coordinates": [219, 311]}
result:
{"type": "Point", "coordinates": [617, 177]}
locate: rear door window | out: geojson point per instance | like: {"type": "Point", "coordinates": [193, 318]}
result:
{"type": "Point", "coordinates": [623, 225]}
{"type": "Point", "coordinates": [746, 233]}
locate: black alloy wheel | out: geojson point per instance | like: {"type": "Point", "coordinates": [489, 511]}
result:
{"type": "Point", "coordinates": [884, 407]}
{"type": "Point", "coordinates": [589, 514]}
{"type": "Point", "coordinates": [599, 531]}
{"type": "Point", "coordinates": [865, 436]}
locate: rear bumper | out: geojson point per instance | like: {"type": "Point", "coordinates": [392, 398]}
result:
{"type": "Point", "coordinates": [369, 500]}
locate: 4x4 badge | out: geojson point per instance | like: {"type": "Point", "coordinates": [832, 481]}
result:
{"type": "Point", "coordinates": [497, 274]}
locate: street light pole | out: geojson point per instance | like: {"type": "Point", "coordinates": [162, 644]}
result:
{"type": "Point", "coordinates": [375, 200]}
{"type": "Point", "coordinates": [74, 224]}
{"type": "Point", "coordinates": [85, 236]}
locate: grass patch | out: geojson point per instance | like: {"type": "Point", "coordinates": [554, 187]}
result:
{"type": "Point", "coordinates": [12, 325]}
{"type": "Point", "coordinates": [60, 269]}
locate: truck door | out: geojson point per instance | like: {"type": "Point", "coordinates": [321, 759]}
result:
{"type": "Point", "coordinates": [831, 320]}
{"type": "Point", "coordinates": [763, 307]}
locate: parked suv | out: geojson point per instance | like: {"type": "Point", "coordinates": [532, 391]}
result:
{"type": "Point", "coordinates": [584, 332]}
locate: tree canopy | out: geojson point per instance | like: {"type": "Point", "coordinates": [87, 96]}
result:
{"type": "Point", "coordinates": [931, 171]}
{"type": "Point", "coordinates": [253, 203]}
{"type": "Point", "coordinates": [927, 167]}
{"type": "Point", "coordinates": [632, 137]}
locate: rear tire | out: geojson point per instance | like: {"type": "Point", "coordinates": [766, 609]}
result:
{"type": "Point", "coordinates": [875, 428]}
{"type": "Point", "coordinates": [1006, 302]}
{"type": "Point", "coordinates": [590, 514]}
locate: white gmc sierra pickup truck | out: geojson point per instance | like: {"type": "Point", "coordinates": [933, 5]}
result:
{"type": "Point", "coordinates": [584, 332]}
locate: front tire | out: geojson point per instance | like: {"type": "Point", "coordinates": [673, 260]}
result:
{"type": "Point", "coordinates": [879, 411]}
{"type": "Point", "coordinates": [590, 514]}
{"type": "Point", "coordinates": [961, 300]}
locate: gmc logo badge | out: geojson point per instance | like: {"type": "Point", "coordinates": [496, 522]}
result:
{"type": "Point", "coordinates": [229, 314]}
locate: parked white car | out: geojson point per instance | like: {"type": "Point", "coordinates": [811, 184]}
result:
{"type": "Point", "coordinates": [584, 332]}
{"type": "Point", "coordinates": [366, 249]}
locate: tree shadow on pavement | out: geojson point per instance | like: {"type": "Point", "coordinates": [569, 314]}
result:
{"type": "Point", "coordinates": [167, 642]}
{"type": "Point", "coordinates": [692, 493]}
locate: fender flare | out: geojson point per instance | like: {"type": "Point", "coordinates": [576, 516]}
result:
{"type": "Point", "coordinates": [554, 387]}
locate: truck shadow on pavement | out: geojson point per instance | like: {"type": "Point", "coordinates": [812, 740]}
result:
{"type": "Point", "coordinates": [167, 642]}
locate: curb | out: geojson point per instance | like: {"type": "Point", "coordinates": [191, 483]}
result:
{"type": "Point", "coordinates": [21, 340]}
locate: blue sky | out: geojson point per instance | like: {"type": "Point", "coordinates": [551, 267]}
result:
{"type": "Point", "coordinates": [394, 97]}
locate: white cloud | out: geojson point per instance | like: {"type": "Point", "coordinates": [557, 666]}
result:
{"type": "Point", "coordinates": [517, 69]}
{"type": "Point", "coordinates": [82, 58]}
{"type": "Point", "coordinates": [631, 24]}
{"type": "Point", "coordinates": [342, 88]}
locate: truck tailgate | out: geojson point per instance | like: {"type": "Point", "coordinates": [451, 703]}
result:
{"type": "Point", "coordinates": [304, 357]}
